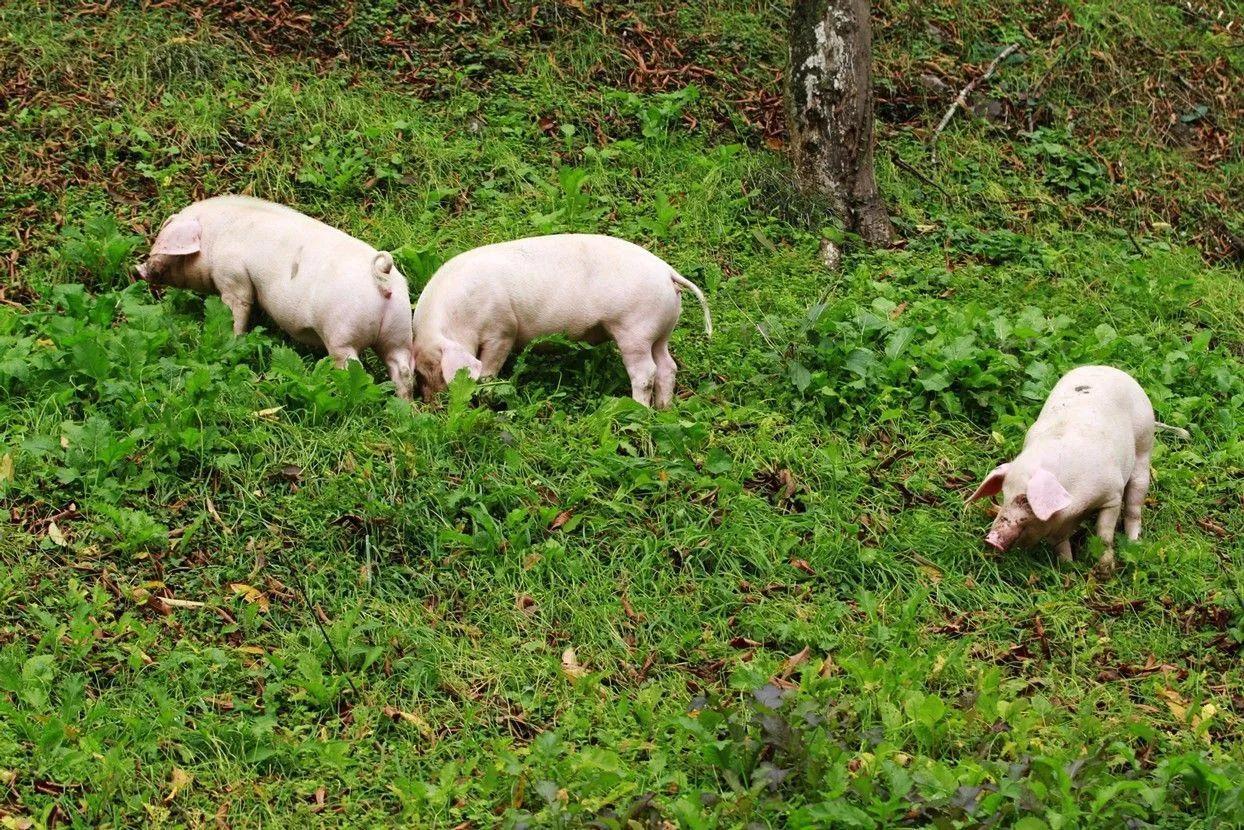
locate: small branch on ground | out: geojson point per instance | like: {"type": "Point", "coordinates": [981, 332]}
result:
{"type": "Point", "coordinates": [903, 165]}
{"type": "Point", "coordinates": [961, 100]}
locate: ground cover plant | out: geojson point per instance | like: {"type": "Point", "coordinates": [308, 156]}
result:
{"type": "Point", "coordinates": [242, 588]}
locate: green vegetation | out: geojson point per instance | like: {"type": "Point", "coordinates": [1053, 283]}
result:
{"type": "Point", "coordinates": [766, 607]}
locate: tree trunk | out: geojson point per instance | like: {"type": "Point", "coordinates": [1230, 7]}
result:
{"type": "Point", "coordinates": [829, 106]}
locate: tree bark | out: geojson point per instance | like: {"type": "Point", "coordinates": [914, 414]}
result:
{"type": "Point", "coordinates": [829, 105]}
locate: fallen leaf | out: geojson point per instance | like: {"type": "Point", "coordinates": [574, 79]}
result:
{"type": "Point", "coordinates": [251, 594]}
{"type": "Point", "coordinates": [743, 642]}
{"type": "Point", "coordinates": [630, 612]}
{"type": "Point", "coordinates": [1213, 527]}
{"type": "Point", "coordinates": [802, 564]}
{"type": "Point", "coordinates": [292, 473]}
{"type": "Point", "coordinates": [180, 780]}
{"type": "Point", "coordinates": [827, 667]}
{"type": "Point", "coordinates": [152, 601]}
{"type": "Point", "coordinates": [1176, 703]}
{"type": "Point", "coordinates": [793, 662]}
{"type": "Point", "coordinates": [320, 793]}
{"type": "Point", "coordinates": [525, 604]}
{"type": "Point", "coordinates": [267, 413]}
{"type": "Point", "coordinates": [6, 468]}
{"type": "Point", "coordinates": [561, 519]}
{"type": "Point", "coordinates": [571, 667]}
{"type": "Point", "coordinates": [787, 480]}
{"type": "Point", "coordinates": [211, 509]}
{"type": "Point", "coordinates": [57, 537]}
{"type": "Point", "coordinates": [930, 570]}
{"type": "Point", "coordinates": [411, 718]}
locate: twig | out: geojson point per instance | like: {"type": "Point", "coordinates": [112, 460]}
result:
{"type": "Point", "coordinates": [962, 99]}
{"type": "Point", "coordinates": [318, 615]}
{"type": "Point", "coordinates": [902, 165]}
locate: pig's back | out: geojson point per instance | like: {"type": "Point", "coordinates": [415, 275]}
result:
{"type": "Point", "coordinates": [265, 228]}
{"type": "Point", "coordinates": [552, 280]}
{"type": "Point", "coordinates": [298, 265]}
{"type": "Point", "coordinates": [1098, 405]}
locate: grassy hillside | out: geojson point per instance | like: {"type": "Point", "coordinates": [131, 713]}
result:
{"type": "Point", "coordinates": [241, 588]}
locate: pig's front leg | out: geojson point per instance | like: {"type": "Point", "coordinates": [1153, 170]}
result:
{"type": "Point", "coordinates": [1107, 521]}
{"type": "Point", "coordinates": [342, 355]}
{"type": "Point", "coordinates": [239, 300]}
{"type": "Point", "coordinates": [1063, 549]}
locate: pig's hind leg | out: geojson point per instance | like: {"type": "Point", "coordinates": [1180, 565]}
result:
{"type": "Point", "coordinates": [1134, 497]}
{"type": "Point", "coordinates": [642, 369]}
{"type": "Point", "coordinates": [1107, 521]}
{"type": "Point", "coordinates": [667, 370]}
{"type": "Point", "coordinates": [401, 365]}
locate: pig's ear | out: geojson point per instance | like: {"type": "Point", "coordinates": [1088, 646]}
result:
{"type": "Point", "coordinates": [179, 236]}
{"type": "Point", "coordinates": [455, 357]}
{"type": "Point", "coordinates": [991, 484]}
{"type": "Point", "coordinates": [1046, 495]}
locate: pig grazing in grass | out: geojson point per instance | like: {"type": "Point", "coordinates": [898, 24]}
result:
{"type": "Point", "coordinates": [483, 303]}
{"type": "Point", "coordinates": [323, 287]}
{"type": "Point", "coordinates": [1088, 451]}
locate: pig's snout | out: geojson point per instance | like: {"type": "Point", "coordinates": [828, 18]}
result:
{"type": "Point", "coordinates": [1003, 535]}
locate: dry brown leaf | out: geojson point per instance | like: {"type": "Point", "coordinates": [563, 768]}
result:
{"type": "Point", "coordinates": [411, 718]}
{"type": "Point", "coordinates": [57, 537]}
{"type": "Point", "coordinates": [793, 662]}
{"type": "Point", "coordinates": [561, 519]}
{"type": "Point", "coordinates": [211, 509]}
{"type": "Point", "coordinates": [571, 667]}
{"type": "Point", "coordinates": [525, 604]}
{"type": "Point", "coordinates": [6, 468]}
{"type": "Point", "coordinates": [251, 594]}
{"type": "Point", "coordinates": [802, 564]}
{"type": "Point", "coordinates": [1176, 703]}
{"type": "Point", "coordinates": [180, 780]}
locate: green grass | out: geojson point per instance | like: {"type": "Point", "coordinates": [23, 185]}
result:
{"type": "Point", "coordinates": [780, 611]}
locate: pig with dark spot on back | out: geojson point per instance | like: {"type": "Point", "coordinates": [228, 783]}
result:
{"type": "Point", "coordinates": [323, 287]}
{"type": "Point", "coordinates": [1088, 451]}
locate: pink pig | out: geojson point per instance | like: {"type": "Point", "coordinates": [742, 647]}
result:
{"type": "Point", "coordinates": [323, 287]}
{"type": "Point", "coordinates": [1088, 451]}
{"type": "Point", "coordinates": [483, 303]}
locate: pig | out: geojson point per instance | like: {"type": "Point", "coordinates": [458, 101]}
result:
{"type": "Point", "coordinates": [1088, 451]}
{"type": "Point", "coordinates": [323, 287]}
{"type": "Point", "coordinates": [482, 303]}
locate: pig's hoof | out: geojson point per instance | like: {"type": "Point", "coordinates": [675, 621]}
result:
{"type": "Point", "coordinates": [1105, 568]}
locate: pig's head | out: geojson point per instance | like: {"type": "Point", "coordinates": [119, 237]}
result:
{"type": "Point", "coordinates": [436, 366]}
{"type": "Point", "coordinates": [179, 238]}
{"type": "Point", "coordinates": [1029, 502]}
